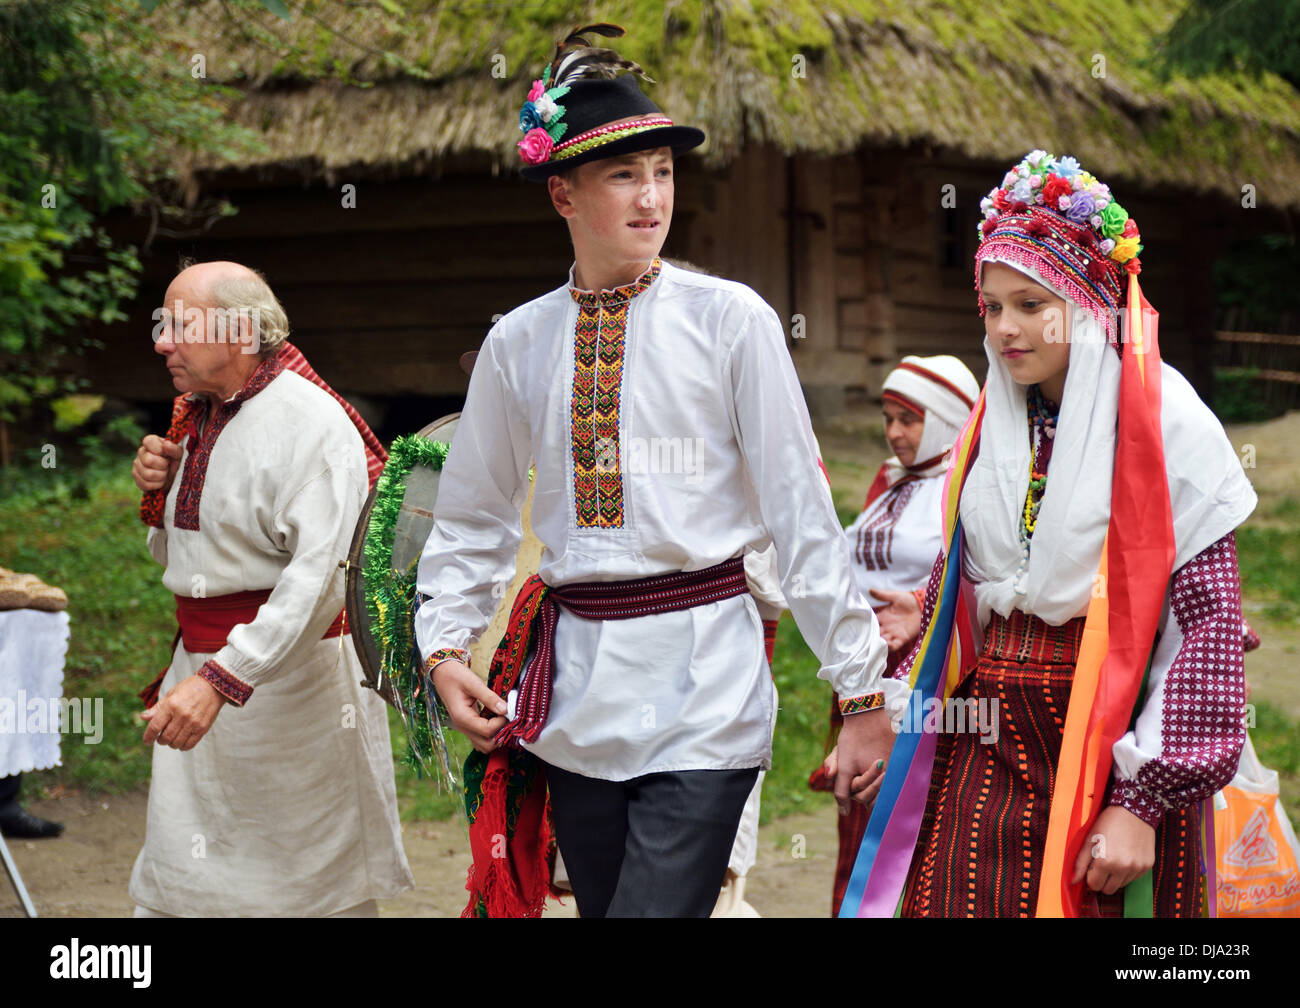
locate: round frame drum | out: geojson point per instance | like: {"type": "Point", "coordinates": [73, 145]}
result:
{"type": "Point", "coordinates": [414, 522]}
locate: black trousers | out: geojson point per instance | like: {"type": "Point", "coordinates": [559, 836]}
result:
{"type": "Point", "coordinates": [9, 790]}
{"type": "Point", "coordinates": [653, 846]}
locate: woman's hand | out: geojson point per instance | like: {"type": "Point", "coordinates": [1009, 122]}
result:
{"type": "Point", "coordinates": [900, 620]}
{"type": "Point", "coordinates": [1121, 848]}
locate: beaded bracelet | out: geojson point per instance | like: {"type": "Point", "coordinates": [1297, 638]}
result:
{"type": "Point", "coordinates": [856, 705]}
{"type": "Point", "coordinates": [442, 655]}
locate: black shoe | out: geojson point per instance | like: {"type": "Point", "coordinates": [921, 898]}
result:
{"type": "Point", "coordinates": [17, 822]}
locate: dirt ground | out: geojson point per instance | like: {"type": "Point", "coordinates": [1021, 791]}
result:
{"type": "Point", "coordinates": [85, 872]}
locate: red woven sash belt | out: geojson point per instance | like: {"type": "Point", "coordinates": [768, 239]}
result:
{"type": "Point", "coordinates": [537, 608]}
{"type": "Point", "coordinates": [206, 622]}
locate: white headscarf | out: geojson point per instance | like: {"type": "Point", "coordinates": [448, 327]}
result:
{"type": "Point", "coordinates": [1209, 492]}
{"type": "Point", "coordinates": [943, 387]}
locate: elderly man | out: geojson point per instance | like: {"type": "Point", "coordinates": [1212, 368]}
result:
{"type": "Point", "coordinates": [283, 805]}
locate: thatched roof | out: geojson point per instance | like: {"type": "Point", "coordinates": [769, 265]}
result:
{"type": "Point", "coordinates": [984, 81]}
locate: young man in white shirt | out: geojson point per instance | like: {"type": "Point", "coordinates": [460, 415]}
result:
{"type": "Point", "coordinates": [663, 417]}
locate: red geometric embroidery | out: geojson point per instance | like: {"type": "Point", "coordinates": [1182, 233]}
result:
{"type": "Point", "coordinates": [198, 451]}
{"type": "Point", "coordinates": [226, 683]}
{"type": "Point", "coordinates": [874, 546]}
{"type": "Point", "coordinates": [599, 341]}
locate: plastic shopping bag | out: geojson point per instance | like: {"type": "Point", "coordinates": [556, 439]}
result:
{"type": "Point", "coordinates": [1258, 856]}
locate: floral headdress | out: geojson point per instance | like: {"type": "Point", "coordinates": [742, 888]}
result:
{"type": "Point", "coordinates": [1051, 214]}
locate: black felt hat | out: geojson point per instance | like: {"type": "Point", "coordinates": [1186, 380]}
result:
{"type": "Point", "coordinates": [589, 107]}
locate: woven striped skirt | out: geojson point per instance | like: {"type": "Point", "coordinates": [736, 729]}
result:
{"type": "Point", "coordinates": [979, 852]}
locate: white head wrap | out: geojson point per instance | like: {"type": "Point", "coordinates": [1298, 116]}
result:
{"type": "Point", "coordinates": [945, 390]}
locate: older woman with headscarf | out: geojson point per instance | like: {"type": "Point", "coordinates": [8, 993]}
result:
{"type": "Point", "coordinates": [896, 538]}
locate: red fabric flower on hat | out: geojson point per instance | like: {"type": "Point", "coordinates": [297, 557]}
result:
{"type": "Point", "coordinates": [1000, 202]}
{"type": "Point", "coordinates": [1130, 229]}
{"type": "Point", "coordinates": [1055, 188]}
{"type": "Point", "coordinates": [1134, 265]}
{"type": "Point", "coordinates": [536, 146]}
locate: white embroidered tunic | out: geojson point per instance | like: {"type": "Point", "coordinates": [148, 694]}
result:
{"type": "Point", "coordinates": [286, 807]}
{"type": "Point", "coordinates": [669, 433]}
{"type": "Point", "coordinates": [897, 537]}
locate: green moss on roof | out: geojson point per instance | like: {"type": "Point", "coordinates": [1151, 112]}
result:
{"type": "Point", "coordinates": [985, 80]}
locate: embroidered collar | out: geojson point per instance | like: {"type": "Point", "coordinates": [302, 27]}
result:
{"type": "Point", "coordinates": [619, 295]}
{"type": "Point", "coordinates": [199, 450]}
{"type": "Point", "coordinates": [262, 376]}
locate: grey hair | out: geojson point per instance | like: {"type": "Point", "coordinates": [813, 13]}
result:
{"type": "Point", "coordinates": [249, 292]}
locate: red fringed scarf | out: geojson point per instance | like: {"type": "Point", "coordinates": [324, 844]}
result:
{"type": "Point", "coordinates": [186, 411]}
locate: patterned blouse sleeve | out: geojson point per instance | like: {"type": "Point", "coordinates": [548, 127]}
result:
{"type": "Point", "coordinates": [1190, 732]}
{"type": "Point", "coordinates": [904, 670]}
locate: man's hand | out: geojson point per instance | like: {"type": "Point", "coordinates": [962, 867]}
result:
{"type": "Point", "coordinates": [900, 620]}
{"type": "Point", "coordinates": [858, 762]}
{"type": "Point", "coordinates": [470, 704]}
{"type": "Point", "coordinates": [184, 715]}
{"type": "Point", "coordinates": [1120, 849]}
{"type": "Point", "coordinates": [155, 463]}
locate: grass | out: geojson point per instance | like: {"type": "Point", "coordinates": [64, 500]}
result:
{"type": "Point", "coordinates": [1269, 558]}
{"type": "Point", "coordinates": [79, 530]}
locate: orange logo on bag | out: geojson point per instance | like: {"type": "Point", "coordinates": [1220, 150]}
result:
{"type": "Point", "coordinates": [1254, 848]}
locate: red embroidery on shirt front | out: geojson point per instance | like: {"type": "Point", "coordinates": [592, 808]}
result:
{"type": "Point", "coordinates": [874, 545]}
{"type": "Point", "coordinates": [198, 449]}
{"type": "Point", "coordinates": [599, 341]}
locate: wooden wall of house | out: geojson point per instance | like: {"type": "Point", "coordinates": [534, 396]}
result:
{"type": "Point", "coordinates": [382, 297]}
{"type": "Point", "coordinates": [861, 256]}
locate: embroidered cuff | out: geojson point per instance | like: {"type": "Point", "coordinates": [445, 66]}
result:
{"type": "Point", "coordinates": [919, 595]}
{"type": "Point", "coordinates": [1142, 802]}
{"type": "Point", "coordinates": [229, 686]}
{"type": "Point", "coordinates": [442, 654]}
{"type": "Point", "coordinates": [856, 705]}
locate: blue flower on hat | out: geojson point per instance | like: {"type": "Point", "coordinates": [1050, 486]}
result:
{"type": "Point", "coordinates": [529, 117]}
{"type": "Point", "coordinates": [1068, 167]}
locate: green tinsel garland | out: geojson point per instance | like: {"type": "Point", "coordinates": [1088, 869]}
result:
{"type": "Point", "coordinates": [390, 595]}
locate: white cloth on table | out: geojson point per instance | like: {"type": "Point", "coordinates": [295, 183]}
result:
{"type": "Point", "coordinates": [287, 806]}
{"type": "Point", "coordinates": [33, 645]}
{"type": "Point", "coordinates": [706, 372]}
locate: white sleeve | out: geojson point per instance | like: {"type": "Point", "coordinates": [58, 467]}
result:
{"type": "Point", "coordinates": [814, 565]}
{"type": "Point", "coordinates": [477, 529]}
{"type": "Point", "coordinates": [157, 543]}
{"type": "Point", "coordinates": [315, 527]}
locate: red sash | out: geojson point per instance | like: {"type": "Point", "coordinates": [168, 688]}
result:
{"type": "Point", "coordinates": [205, 625]}
{"type": "Point", "coordinates": [206, 622]}
{"type": "Point", "coordinates": [510, 833]}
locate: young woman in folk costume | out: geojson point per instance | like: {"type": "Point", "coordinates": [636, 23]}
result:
{"type": "Point", "coordinates": [1088, 526]}
{"type": "Point", "coordinates": [926, 402]}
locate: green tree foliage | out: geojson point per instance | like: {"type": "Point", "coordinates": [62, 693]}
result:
{"type": "Point", "coordinates": [1259, 36]}
{"type": "Point", "coordinates": [95, 113]}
